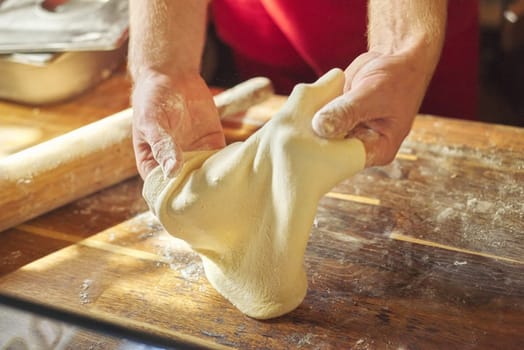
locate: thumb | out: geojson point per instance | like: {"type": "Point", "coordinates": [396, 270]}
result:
{"type": "Point", "coordinates": [357, 114]}
{"type": "Point", "coordinates": [337, 118]}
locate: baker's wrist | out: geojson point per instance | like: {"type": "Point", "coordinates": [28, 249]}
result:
{"type": "Point", "coordinates": [162, 76]}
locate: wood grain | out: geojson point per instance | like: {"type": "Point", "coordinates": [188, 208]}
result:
{"type": "Point", "coordinates": [367, 288]}
{"type": "Point", "coordinates": [375, 291]}
{"type": "Point", "coordinates": [425, 253]}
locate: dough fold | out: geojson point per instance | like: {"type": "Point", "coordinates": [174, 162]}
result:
{"type": "Point", "coordinates": [248, 208]}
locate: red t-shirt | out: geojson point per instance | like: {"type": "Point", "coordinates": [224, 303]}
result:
{"type": "Point", "coordinates": [292, 41]}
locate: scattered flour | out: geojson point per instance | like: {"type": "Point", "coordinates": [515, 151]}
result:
{"type": "Point", "coordinates": [84, 291]}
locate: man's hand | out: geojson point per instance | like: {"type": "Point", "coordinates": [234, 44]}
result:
{"type": "Point", "coordinates": [381, 97]}
{"type": "Point", "coordinates": [173, 110]}
{"type": "Point", "coordinates": [385, 86]}
{"type": "Point", "coordinates": [170, 117]}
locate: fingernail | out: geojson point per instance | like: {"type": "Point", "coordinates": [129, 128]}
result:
{"type": "Point", "coordinates": [327, 124]}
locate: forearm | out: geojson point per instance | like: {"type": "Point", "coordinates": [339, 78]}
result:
{"type": "Point", "coordinates": [166, 36]}
{"type": "Point", "coordinates": [413, 27]}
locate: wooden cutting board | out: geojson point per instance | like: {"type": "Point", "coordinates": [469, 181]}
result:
{"type": "Point", "coordinates": [426, 253]}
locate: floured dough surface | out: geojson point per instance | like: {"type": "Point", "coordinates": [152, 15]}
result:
{"type": "Point", "coordinates": [248, 208]}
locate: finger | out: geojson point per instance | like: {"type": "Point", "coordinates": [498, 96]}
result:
{"type": "Point", "coordinates": [156, 147]}
{"type": "Point", "coordinates": [380, 148]}
{"type": "Point", "coordinates": [360, 113]}
{"type": "Point", "coordinates": [166, 152]}
{"type": "Point", "coordinates": [336, 118]}
{"type": "Point", "coordinates": [362, 104]}
{"type": "Point", "coordinates": [145, 162]}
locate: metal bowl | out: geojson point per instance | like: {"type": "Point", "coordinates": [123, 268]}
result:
{"type": "Point", "coordinates": [52, 50]}
{"type": "Point", "coordinates": [38, 79]}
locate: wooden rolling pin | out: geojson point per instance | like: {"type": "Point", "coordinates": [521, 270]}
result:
{"type": "Point", "coordinates": [61, 170]}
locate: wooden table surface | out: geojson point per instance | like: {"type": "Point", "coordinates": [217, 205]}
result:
{"type": "Point", "coordinates": [426, 253]}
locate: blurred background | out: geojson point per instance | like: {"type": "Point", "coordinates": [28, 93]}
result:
{"type": "Point", "coordinates": [501, 98]}
{"type": "Point", "coordinates": [44, 40]}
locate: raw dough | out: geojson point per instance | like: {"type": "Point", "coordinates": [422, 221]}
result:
{"type": "Point", "coordinates": [248, 208]}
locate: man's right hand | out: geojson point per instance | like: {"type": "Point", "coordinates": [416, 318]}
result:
{"type": "Point", "coordinates": [172, 115]}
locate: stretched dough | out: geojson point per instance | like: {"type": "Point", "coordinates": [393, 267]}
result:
{"type": "Point", "coordinates": [248, 208]}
